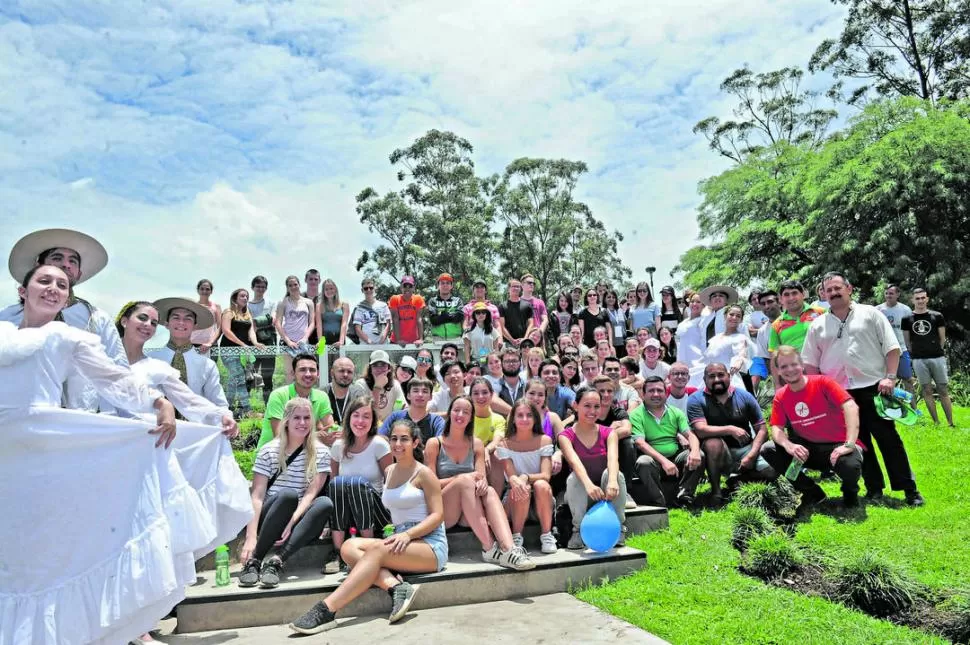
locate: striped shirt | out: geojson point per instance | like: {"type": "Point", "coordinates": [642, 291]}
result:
{"type": "Point", "coordinates": [268, 463]}
{"type": "Point", "coordinates": [787, 330]}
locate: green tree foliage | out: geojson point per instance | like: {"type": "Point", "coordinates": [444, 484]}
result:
{"type": "Point", "coordinates": [890, 200]}
{"type": "Point", "coordinates": [772, 108]}
{"type": "Point", "coordinates": [549, 234]}
{"type": "Point", "coordinates": [439, 221]}
{"type": "Point", "coordinates": [901, 48]}
{"type": "Point", "coordinates": [886, 199]}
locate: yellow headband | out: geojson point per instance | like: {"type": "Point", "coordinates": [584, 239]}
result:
{"type": "Point", "coordinates": [121, 314]}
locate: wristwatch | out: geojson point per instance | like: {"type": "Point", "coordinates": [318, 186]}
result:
{"type": "Point", "coordinates": [891, 377]}
{"type": "Point", "coordinates": [849, 444]}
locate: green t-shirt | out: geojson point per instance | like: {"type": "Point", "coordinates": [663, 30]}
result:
{"type": "Point", "coordinates": [486, 427]}
{"type": "Point", "coordinates": [277, 401]}
{"type": "Point", "coordinates": [662, 434]}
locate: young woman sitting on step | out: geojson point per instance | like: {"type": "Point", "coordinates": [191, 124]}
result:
{"type": "Point", "coordinates": [457, 458]}
{"type": "Point", "coordinates": [412, 494]}
{"type": "Point", "coordinates": [359, 461]}
{"type": "Point", "coordinates": [288, 475]}
{"type": "Point", "coordinates": [526, 453]}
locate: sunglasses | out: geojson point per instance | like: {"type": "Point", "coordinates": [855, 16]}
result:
{"type": "Point", "coordinates": [426, 361]}
{"type": "Point", "coordinates": [367, 288]}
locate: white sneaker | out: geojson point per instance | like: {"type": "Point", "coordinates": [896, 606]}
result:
{"type": "Point", "coordinates": [493, 555]}
{"type": "Point", "coordinates": [548, 542]}
{"type": "Point", "coordinates": [518, 541]}
{"type": "Point", "coordinates": [516, 558]}
{"type": "Point", "coordinates": [630, 504]}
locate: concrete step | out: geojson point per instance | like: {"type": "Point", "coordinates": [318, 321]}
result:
{"type": "Point", "coordinates": [642, 519]}
{"type": "Point", "coordinates": [466, 580]}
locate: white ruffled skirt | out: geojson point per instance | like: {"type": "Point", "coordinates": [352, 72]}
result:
{"type": "Point", "coordinates": [100, 529]}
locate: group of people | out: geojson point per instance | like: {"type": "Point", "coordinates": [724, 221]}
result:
{"type": "Point", "coordinates": [531, 412]}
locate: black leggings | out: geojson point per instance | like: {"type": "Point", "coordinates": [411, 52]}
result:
{"type": "Point", "coordinates": [356, 503]}
{"type": "Point", "coordinates": [276, 514]}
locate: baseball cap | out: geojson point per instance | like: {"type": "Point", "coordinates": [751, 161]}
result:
{"type": "Point", "coordinates": [408, 279]}
{"type": "Point", "coordinates": [445, 276]}
{"type": "Point", "coordinates": [408, 362]}
{"type": "Point", "coordinates": [479, 281]}
{"type": "Point", "coordinates": [379, 356]}
{"type": "Point", "coordinates": [652, 342]}
{"type": "Point", "coordinates": [480, 306]}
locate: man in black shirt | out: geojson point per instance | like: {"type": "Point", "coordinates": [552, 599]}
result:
{"type": "Point", "coordinates": [342, 374]}
{"type": "Point", "coordinates": [516, 315]}
{"type": "Point", "coordinates": [925, 335]}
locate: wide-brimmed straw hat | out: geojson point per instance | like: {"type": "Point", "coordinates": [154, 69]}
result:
{"type": "Point", "coordinates": [203, 317]}
{"type": "Point", "coordinates": [24, 254]}
{"type": "Point", "coordinates": [732, 294]}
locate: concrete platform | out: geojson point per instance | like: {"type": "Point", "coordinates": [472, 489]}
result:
{"type": "Point", "coordinates": [557, 618]}
{"type": "Point", "coordinates": [642, 519]}
{"type": "Point", "coordinates": [465, 581]}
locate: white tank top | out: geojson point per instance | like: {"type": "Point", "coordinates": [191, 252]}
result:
{"type": "Point", "coordinates": [406, 502]}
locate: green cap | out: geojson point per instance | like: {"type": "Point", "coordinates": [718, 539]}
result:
{"type": "Point", "coordinates": [889, 407]}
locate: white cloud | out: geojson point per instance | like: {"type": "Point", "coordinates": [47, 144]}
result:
{"type": "Point", "coordinates": [226, 139]}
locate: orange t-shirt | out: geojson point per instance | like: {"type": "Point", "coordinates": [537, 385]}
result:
{"type": "Point", "coordinates": [407, 313]}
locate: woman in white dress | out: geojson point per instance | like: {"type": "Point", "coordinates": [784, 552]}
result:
{"type": "Point", "coordinates": [204, 453]}
{"type": "Point", "coordinates": [83, 514]}
{"type": "Point", "coordinates": [732, 347]}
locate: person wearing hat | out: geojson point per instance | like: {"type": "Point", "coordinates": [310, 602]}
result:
{"type": "Point", "coordinates": [855, 345]}
{"type": "Point", "coordinates": [483, 337]}
{"type": "Point", "coordinates": [650, 363]}
{"type": "Point", "coordinates": [81, 257]}
{"type": "Point", "coordinates": [407, 314]}
{"type": "Point", "coordinates": [181, 317]}
{"type": "Point", "coordinates": [445, 311]}
{"type": "Point", "coordinates": [406, 367]}
{"type": "Point", "coordinates": [824, 429]}
{"type": "Point", "coordinates": [379, 382]}
{"type": "Point", "coordinates": [695, 336]}
{"type": "Point", "coordinates": [480, 294]}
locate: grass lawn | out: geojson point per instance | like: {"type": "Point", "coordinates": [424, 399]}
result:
{"type": "Point", "coordinates": [692, 592]}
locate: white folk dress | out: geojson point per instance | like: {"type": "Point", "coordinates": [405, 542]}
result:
{"type": "Point", "coordinates": [86, 536]}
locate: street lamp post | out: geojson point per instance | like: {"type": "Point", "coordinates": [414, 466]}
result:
{"type": "Point", "coordinates": [651, 271]}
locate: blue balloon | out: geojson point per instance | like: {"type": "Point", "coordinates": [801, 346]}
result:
{"type": "Point", "coordinates": [600, 528]}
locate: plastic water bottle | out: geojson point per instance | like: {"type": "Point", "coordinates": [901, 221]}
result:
{"type": "Point", "coordinates": [902, 395]}
{"type": "Point", "coordinates": [794, 469]}
{"type": "Point", "coordinates": [222, 566]}
{"type": "Point", "coordinates": [322, 347]}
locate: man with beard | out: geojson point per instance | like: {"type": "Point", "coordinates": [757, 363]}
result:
{"type": "Point", "coordinates": [731, 428]}
{"type": "Point", "coordinates": [855, 345]}
{"type": "Point", "coordinates": [824, 433]}
{"type": "Point", "coordinates": [81, 257]}
{"type": "Point", "coordinates": [342, 375]}
{"type": "Point", "coordinates": [511, 387]}
{"type": "Point", "coordinates": [306, 375]}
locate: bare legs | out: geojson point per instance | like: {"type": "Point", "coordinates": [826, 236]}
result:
{"type": "Point", "coordinates": [483, 514]}
{"type": "Point", "coordinates": [944, 401]}
{"type": "Point", "coordinates": [371, 564]}
{"type": "Point", "coordinates": [541, 494]}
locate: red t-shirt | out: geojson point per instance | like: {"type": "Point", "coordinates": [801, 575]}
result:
{"type": "Point", "coordinates": [407, 313]}
{"type": "Point", "coordinates": [814, 412]}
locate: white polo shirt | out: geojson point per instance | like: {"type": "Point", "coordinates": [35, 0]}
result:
{"type": "Point", "coordinates": [858, 358]}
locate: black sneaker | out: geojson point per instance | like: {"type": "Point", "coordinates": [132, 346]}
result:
{"type": "Point", "coordinates": [269, 575]}
{"type": "Point", "coordinates": [403, 596]}
{"type": "Point", "coordinates": [318, 619]}
{"type": "Point", "coordinates": [684, 500]}
{"type": "Point", "coordinates": [811, 498]}
{"type": "Point", "coordinates": [913, 498]}
{"type": "Point", "coordinates": [874, 495]}
{"type": "Point", "coordinates": [250, 573]}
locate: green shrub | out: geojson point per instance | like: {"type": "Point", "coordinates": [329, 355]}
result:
{"type": "Point", "coordinates": [875, 586]}
{"type": "Point", "coordinates": [245, 460]}
{"type": "Point", "coordinates": [748, 523]}
{"type": "Point", "coordinates": [771, 556]}
{"type": "Point", "coordinates": [778, 499]}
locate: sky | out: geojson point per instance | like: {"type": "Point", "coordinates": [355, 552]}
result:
{"type": "Point", "coordinates": [222, 139]}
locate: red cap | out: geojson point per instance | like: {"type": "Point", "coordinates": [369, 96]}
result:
{"type": "Point", "coordinates": [445, 276]}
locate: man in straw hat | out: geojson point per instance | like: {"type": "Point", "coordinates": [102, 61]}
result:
{"type": "Point", "coordinates": [695, 338]}
{"type": "Point", "coordinates": [182, 316]}
{"type": "Point", "coordinates": [81, 257]}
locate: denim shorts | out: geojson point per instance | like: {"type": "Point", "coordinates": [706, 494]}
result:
{"type": "Point", "coordinates": [436, 539]}
{"type": "Point", "coordinates": [905, 368]}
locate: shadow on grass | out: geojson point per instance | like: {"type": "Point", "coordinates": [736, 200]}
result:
{"type": "Point", "coordinates": [834, 509]}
